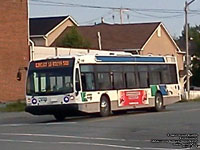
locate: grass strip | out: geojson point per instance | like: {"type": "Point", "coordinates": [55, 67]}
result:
{"type": "Point", "coordinates": [13, 106]}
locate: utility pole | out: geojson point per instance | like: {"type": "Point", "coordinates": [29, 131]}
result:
{"type": "Point", "coordinates": [121, 15]}
{"type": "Point", "coordinates": [187, 49]}
{"type": "Point", "coordinates": [121, 10]}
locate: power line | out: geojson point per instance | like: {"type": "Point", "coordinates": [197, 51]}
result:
{"type": "Point", "coordinates": [138, 11]}
{"type": "Point", "coordinates": [148, 13]}
{"type": "Point", "coordinates": [97, 18]}
{"type": "Point", "coordinates": [50, 3]}
{"type": "Point", "coordinates": [155, 16]}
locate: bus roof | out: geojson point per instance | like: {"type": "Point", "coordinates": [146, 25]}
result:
{"type": "Point", "coordinates": [91, 58]}
{"type": "Point", "coordinates": [129, 59]}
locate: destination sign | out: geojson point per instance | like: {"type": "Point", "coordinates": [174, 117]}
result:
{"type": "Point", "coordinates": [55, 63]}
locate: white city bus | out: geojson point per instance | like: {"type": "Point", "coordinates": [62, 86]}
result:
{"type": "Point", "coordinates": [100, 83]}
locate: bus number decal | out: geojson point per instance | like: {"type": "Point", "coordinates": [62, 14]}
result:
{"type": "Point", "coordinates": [134, 97]}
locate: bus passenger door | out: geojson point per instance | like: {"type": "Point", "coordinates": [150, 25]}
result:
{"type": "Point", "coordinates": [77, 82]}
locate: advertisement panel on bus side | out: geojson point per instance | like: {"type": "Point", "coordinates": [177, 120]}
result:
{"type": "Point", "coordinates": [133, 97]}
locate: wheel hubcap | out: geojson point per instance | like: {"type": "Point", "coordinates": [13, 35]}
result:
{"type": "Point", "coordinates": [158, 102]}
{"type": "Point", "coordinates": [103, 104]}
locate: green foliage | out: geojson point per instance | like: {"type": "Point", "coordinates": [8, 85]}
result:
{"type": "Point", "coordinates": [196, 100]}
{"type": "Point", "coordinates": [13, 107]}
{"type": "Point", "coordinates": [73, 39]}
{"type": "Point", "coordinates": [194, 34]}
{"type": "Point", "coordinates": [191, 100]}
{"type": "Point", "coordinates": [195, 79]}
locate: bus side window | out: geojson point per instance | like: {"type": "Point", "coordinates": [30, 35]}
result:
{"type": "Point", "coordinates": [143, 76]}
{"type": "Point", "coordinates": [154, 78]}
{"type": "Point", "coordinates": [88, 83]}
{"type": "Point", "coordinates": [119, 82]}
{"type": "Point", "coordinates": [103, 81]}
{"type": "Point", "coordinates": [77, 81]}
{"type": "Point", "coordinates": [172, 69]}
{"type": "Point", "coordinates": [131, 80]}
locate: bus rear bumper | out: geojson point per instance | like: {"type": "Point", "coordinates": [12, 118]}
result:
{"type": "Point", "coordinates": [68, 109]}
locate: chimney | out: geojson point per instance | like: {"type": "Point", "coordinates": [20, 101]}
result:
{"type": "Point", "coordinates": [102, 20]}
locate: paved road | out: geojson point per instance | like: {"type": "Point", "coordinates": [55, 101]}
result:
{"type": "Point", "coordinates": [134, 130]}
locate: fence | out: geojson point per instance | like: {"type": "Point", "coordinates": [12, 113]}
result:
{"type": "Point", "coordinates": [49, 52]}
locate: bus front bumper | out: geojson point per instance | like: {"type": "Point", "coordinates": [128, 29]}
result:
{"type": "Point", "coordinates": [68, 109]}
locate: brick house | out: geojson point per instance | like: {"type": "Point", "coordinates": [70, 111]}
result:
{"type": "Point", "coordinates": [14, 52]}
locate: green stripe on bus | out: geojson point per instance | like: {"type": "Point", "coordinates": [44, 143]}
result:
{"type": "Point", "coordinates": [153, 90]}
{"type": "Point", "coordinates": [83, 94]}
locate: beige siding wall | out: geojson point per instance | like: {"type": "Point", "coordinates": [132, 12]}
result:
{"type": "Point", "coordinates": [161, 44]}
{"type": "Point", "coordinates": [53, 35]}
{"type": "Point", "coordinates": [39, 41]}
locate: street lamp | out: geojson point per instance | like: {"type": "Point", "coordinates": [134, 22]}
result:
{"type": "Point", "coordinates": [187, 51]}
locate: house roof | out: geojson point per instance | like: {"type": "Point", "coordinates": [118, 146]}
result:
{"type": "Point", "coordinates": [42, 26]}
{"type": "Point", "coordinates": [117, 36]}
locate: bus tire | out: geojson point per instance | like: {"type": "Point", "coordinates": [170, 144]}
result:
{"type": "Point", "coordinates": [158, 102]}
{"type": "Point", "coordinates": [59, 117]}
{"type": "Point", "coordinates": [104, 106]}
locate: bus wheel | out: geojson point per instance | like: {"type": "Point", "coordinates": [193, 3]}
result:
{"type": "Point", "coordinates": [59, 117]}
{"type": "Point", "coordinates": [104, 107]}
{"type": "Point", "coordinates": [158, 102]}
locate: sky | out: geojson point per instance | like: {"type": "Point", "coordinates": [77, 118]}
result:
{"type": "Point", "coordinates": [169, 12]}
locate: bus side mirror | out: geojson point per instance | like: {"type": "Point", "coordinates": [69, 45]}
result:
{"type": "Point", "coordinates": [19, 76]}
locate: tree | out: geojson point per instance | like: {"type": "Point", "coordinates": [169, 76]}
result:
{"type": "Point", "coordinates": [194, 50]}
{"type": "Point", "coordinates": [195, 79]}
{"type": "Point", "coordinates": [194, 33]}
{"type": "Point", "coordinates": [73, 39]}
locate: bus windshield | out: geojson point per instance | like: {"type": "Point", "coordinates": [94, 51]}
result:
{"type": "Point", "coordinates": [49, 80]}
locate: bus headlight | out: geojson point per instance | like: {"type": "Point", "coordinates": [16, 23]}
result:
{"type": "Point", "coordinates": [66, 99]}
{"type": "Point", "coordinates": [72, 97]}
{"type": "Point", "coordinates": [34, 101]}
